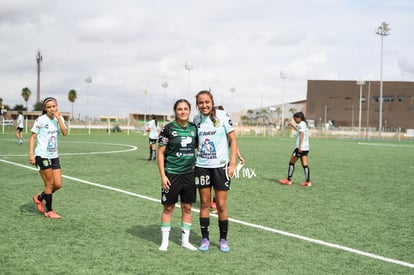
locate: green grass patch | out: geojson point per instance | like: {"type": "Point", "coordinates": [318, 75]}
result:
{"type": "Point", "coordinates": [361, 198]}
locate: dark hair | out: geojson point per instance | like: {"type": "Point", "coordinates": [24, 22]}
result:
{"type": "Point", "coordinates": [220, 107]}
{"type": "Point", "coordinates": [154, 117]}
{"type": "Point", "coordinates": [301, 116]}
{"type": "Point", "coordinates": [46, 100]}
{"type": "Point", "coordinates": [180, 101]}
{"type": "Point", "coordinates": [213, 109]}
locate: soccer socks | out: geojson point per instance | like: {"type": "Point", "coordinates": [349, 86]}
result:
{"type": "Point", "coordinates": [291, 170]}
{"type": "Point", "coordinates": [185, 231]}
{"type": "Point", "coordinates": [205, 227]}
{"type": "Point", "coordinates": [185, 236]}
{"type": "Point", "coordinates": [48, 199]}
{"type": "Point", "coordinates": [165, 231]}
{"type": "Point", "coordinates": [307, 173]}
{"type": "Point", "coordinates": [41, 196]}
{"type": "Point", "coordinates": [223, 227]}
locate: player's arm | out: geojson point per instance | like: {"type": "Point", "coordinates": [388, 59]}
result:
{"type": "Point", "coordinates": [301, 137]}
{"type": "Point", "coordinates": [293, 125]}
{"type": "Point", "coordinates": [62, 125]}
{"type": "Point", "coordinates": [31, 148]}
{"type": "Point", "coordinates": [165, 182]}
{"type": "Point", "coordinates": [233, 152]}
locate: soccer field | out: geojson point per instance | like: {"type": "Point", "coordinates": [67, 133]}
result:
{"type": "Point", "coordinates": [357, 218]}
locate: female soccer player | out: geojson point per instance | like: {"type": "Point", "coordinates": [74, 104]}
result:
{"type": "Point", "coordinates": [45, 132]}
{"type": "Point", "coordinates": [214, 167]}
{"type": "Point", "coordinates": [153, 136]}
{"type": "Point", "coordinates": [301, 151]}
{"type": "Point", "coordinates": [176, 159]}
{"type": "Point", "coordinates": [19, 128]}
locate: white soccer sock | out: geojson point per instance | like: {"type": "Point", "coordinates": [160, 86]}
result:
{"type": "Point", "coordinates": [165, 231]}
{"type": "Point", "coordinates": [185, 236]}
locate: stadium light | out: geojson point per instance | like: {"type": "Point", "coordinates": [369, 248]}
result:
{"type": "Point", "coordinates": [383, 30]}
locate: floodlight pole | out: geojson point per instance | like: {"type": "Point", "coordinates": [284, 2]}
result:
{"type": "Point", "coordinates": [188, 67]}
{"type": "Point", "coordinates": [360, 83]}
{"type": "Point", "coordinates": [88, 81]}
{"type": "Point", "coordinates": [165, 86]}
{"type": "Point", "coordinates": [39, 59]}
{"type": "Point", "coordinates": [383, 30]}
{"type": "Point", "coordinates": [283, 76]}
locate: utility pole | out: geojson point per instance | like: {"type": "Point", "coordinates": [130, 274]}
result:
{"type": "Point", "coordinates": [383, 30]}
{"type": "Point", "coordinates": [39, 59]}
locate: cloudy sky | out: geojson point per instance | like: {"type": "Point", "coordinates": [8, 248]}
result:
{"type": "Point", "coordinates": [236, 48]}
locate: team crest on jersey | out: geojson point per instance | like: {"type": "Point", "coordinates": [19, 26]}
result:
{"type": "Point", "coordinates": [216, 123]}
{"type": "Point", "coordinates": [208, 150]}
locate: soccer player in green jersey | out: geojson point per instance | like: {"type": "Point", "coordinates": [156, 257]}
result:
{"type": "Point", "coordinates": [176, 160]}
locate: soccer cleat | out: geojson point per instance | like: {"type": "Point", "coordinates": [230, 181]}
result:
{"type": "Point", "coordinates": [189, 246]}
{"type": "Point", "coordinates": [205, 243]}
{"type": "Point", "coordinates": [306, 184]}
{"type": "Point", "coordinates": [285, 182]}
{"type": "Point", "coordinates": [39, 204]}
{"type": "Point", "coordinates": [224, 247]}
{"type": "Point", "coordinates": [163, 247]}
{"type": "Point", "coordinates": [52, 215]}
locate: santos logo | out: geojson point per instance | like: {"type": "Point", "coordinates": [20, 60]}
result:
{"type": "Point", "coordinates": [185, 141]}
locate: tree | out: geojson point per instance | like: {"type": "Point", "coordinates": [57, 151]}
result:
{"type": "Point", "coordinates": [38, 106]}
{"type": "Point", "coordinates": [292, 111]}
{"type": "Point", "coordinates": [250, 113]}
{"type": "Point", "coordinates": [244, 119]}
{"type": "Point", "coordinates": [72, 96]}
{"type": "Point", "coordinates": [26, 95]}
{"type": "Point", "coordinates": [19, 107]}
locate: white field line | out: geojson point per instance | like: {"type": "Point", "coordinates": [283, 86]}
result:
{"type": "Point", "coordinates": [284, 233]}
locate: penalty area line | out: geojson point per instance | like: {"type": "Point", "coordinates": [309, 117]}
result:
{"type": "Point", "coordinates": [280, 232]}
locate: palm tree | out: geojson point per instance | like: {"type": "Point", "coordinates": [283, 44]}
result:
{"type": "Point", "coordinates": [250, 113]}
{"type": "Point", "coordinates": [292, 110]}
{"type": "Point", "coordinates": [72, 96]}
{"type": "Point", "coordinates": [278, 111]}
{"type": "Point", "coordinates": [26, 94]}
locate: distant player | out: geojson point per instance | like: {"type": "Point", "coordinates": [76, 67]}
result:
{"type": "Point", "coordinates": [19, 128]}
{"type": "Point", "coordinates": [301, 151]}
{"type": "Point", "coordinates": [152, 136]}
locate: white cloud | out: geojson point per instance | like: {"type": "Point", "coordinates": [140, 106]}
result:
{"type": "Point", "coordinates": [128, 46]}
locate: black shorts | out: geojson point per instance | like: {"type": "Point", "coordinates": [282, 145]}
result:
{"type": "Point", "coordinates": [212, 177]}
{"type": "Point", "coordinates": [152, 141]}
{"type": "Point", "coordinates": [298, 154]}
{"type": "Point", "coordinates": [19, 129]}
{"type": "Point", "coordinates": [182, 185]}
{"type": "Point", "coordinates": [44, 163]}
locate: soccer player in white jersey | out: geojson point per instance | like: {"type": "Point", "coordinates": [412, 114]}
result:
{"type": "Point", "coordinates": [152, 136]}
{"type": "Point", "coordinates": [214, 166]}
{"type": "Point", "coordinates": [301, 150]}
{"type": "Point", "coordinates": [19, 128]}
{"type": "Point", "coordinates": [45, 132]}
